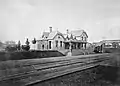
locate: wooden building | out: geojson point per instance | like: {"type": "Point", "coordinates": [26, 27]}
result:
{"type": "Point", "coordinates": [55, 40]}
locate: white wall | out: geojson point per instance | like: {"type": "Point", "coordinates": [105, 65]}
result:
{"type": "Point", "coordinates": [58, 39]}
{"type": "Point", "coordinates": [33, 46]}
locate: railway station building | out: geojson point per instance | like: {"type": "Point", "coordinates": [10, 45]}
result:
{"type": "Point", "coordinates": [55, 40]}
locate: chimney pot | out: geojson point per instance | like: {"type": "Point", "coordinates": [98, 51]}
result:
{"type": "Point", "coordinates": [67, 31]}
{"type": "Point", "coordinates": [50, 29]}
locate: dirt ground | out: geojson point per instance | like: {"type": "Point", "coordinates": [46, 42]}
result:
{"type": "Point", "coordinates": [97, 76]}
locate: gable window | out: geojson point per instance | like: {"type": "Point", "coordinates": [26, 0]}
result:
{"type": "Point", "coordinates": [82, 38]}
{"type": "Point", "coordinates": [56, 43]}
{"type": "Point", "coordinates": [60, 43]}
{"type": "Point", "coordinates": [58, 36]}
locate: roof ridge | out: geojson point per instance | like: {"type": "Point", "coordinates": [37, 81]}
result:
{"type": "Point", "coordinates": [78, 30]}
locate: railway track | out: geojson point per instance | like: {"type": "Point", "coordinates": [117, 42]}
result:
{"type": "Point", "coordinates": [62, 70]}
{"type": "Point", "coordinates": [53, 68]}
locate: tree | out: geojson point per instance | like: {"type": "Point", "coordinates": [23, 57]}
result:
{"type": "Point", "coordinates": [11, 48]}
{"type": "Point", "coordinates": [27, 42]}
{"type": "Point", "coordinates": [25, 47]}
{"type": "Point", "coordinates": [19, 45]}
{"type": "Point", "coordinates": [34, 42]}
{"type": "Point", "coordinates": [1, 44]}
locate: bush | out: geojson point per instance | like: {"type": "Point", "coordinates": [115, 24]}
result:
{"type": "Point", "coordinates": [19, 55]}
{"type": "Point", "coordinates": [26, 47]}
{"type": "Point", "coordinates": [11, 48]}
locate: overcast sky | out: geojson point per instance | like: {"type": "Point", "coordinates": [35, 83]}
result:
{"type": "Point", "coordinates": [20, 19]}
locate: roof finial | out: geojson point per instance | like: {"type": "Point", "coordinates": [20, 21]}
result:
{"type": "Point", "coordinates": [67, 31]}
{"type": "Point", "coordinates": [71, 36]}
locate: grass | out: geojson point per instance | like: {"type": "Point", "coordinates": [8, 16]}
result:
{"type": "Point", "coordinates": [4, 56]}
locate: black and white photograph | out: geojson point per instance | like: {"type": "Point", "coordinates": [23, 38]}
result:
{"type": "Point", "coordinates": [59, 42]}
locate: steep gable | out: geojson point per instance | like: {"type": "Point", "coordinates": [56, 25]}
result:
{"type": "Point", "coordinates": [45, 34]}
{"type": "Point", "coordinates": [53, 34]}
{"type": "Point", "coordinates": [79, 33]}
{"type": "Point", "coordinates": [84, 35]}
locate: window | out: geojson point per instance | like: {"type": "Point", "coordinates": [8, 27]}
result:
{"type": "Point", "coordinates": [82, 38]}
{"type": "Point", "coordinates": [56, 43]}
{"type": "Point", "coordinates": [49, 44]}
{"type": "Point", "coordinates": [42, 46]}
{"type": "Point", "coordinates": [60, 43]}
{"type": "Point", "coordinates": [85, 39]}
{"type": "Point", "coordinates": [58, 36]}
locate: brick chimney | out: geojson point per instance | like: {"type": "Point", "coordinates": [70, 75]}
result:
{"type": "Point", "coordinates": [50, 29]}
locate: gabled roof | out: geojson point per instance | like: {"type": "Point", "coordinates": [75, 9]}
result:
{"type": "Point", "coordinates": [45, 34]}
{"type": "Point", "coordinates": [71, 35]}
{"type": "Point", "coordinates": [78, 32]}
{"type": "Point", "coordinates": [65, 35]}
{"type": "Point", "coordinates": [110, 41]}
{"type": "Point", "coordinates": [53, 34]}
